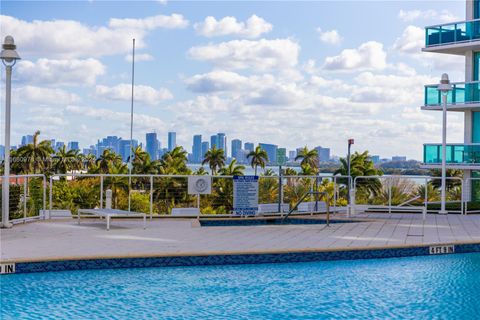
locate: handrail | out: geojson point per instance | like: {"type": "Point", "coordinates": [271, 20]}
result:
{"type": "Point", "coordinates": [303, 198]}
{"type": "Point", "coordinates": [434, 85]}
{"type": "Point", "coordinates": [408, 201]}
{"type": "Point", "coordinates": [450, 23]}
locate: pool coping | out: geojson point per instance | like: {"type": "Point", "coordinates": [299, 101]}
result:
{"type": "Point", "coordinates": [209, 258]}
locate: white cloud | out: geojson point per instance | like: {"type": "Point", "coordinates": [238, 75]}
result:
{"type": "Point", "coordinates": [253, 28]}
{"type": "Point", "coordinates": [44, 96]}
{"type": "Point", "coordinates": [72, 72]}
{"type": "Point", "coordinates": [174, 21]}
{"type": "Point", "coordinates": [139, 57]}
{"type": "Point", "coordinates": [143, 94]}
{"type": "Point", "coordinates": [67, 39]}
{"type": "Point", "coordinates": [330, 37]}
{"type": "Point", "coordinates": [241, 54]}
{"type": "Point", "coordinates": [368, 56]}
{"type": "Point", "coordinates": [218, 81]}
{"type": "Point", "coordinates": [142, 122]}
{"type": "Point", "coordinates": [412, 15]}
{"type": "Point", "coordinates": [411, 40]}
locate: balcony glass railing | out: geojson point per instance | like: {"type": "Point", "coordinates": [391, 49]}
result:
{"type": "Point", "coordinates": [452, 33]}
{"type": "Point", "coordinates": [456, 153]}
{"type": "Point", "coordinates": [462, 93]}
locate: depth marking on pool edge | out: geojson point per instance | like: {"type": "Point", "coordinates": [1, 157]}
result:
{"type": "Point", "coordinates": [442, 249]}
{"type": "Point", "coordinates": [6, 268]}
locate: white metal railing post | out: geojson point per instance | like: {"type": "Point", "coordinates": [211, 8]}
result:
{"type": "Point", "coordinates": [461, 197]}
{"type": "Point", "coordinates": [44, 180]}
{"type": "Point", "coordinates": [50, 198]}
{"type": "Point", "coordinates": [151, 197]}
{"type": "Point", "coordinates": [389, 195]}
{"type": "Point", "coordinates": [101, 191]}
{"type": "Point", "coordinates": [24, 199]}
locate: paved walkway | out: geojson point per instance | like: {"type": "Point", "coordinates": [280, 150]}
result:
{"type": "Point", "coordinates": [66, 239]}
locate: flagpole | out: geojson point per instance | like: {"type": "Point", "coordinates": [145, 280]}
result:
{"type": "Point", "coordinates": [131, 127]}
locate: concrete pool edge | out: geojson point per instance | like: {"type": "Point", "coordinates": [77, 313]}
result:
{"type": "Point", "coordinates": [231, 258]}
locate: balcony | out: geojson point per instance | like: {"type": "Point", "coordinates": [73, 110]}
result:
{"type": "Point", "coordinates": [463, 96]}
{"type": "Point", "coordinates": [453, 38]}
{"type": "Point", "coordinates": [458, 155]}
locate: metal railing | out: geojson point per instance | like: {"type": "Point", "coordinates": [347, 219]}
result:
{"type": "Point", "coordinates": [27, 197]}
{"type": "Point", "coordinates": [450, 33]}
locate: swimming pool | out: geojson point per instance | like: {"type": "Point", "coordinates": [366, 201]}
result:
{"type": "Point", "coordinates": [408, 288]}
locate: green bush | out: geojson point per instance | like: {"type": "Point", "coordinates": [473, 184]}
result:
{"type": "Point", "coordinates": [14, 202]}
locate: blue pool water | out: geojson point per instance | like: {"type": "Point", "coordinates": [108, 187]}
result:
{"type": "Point", "coordinates": [441, 287]}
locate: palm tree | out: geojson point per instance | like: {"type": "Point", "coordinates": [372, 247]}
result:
{"type": "Point", "coordinates": [361, 165]}
{"type": "Point", "coordinates": [308, 157]}
{"type": "Point", "coordinates": [290, 172]}
{"type": "Point", "coordinates": [36, 154]}
{"type": "Point", "coordinates": [259, 158]}
{"type": "Point", "coordinates": [307, 170]}
{"type": "Point", "coordinates": [269, 173]}
{"type": "Point", "coordinates": [201, 172]}
{"type": "Point", "coordinates": [108, 159]}
{"type": "Point", "coordinates": [174, 162]}
{"type": "Point", "coordinates": [215, 159]}
{"type": "Point", "coordinates": [89, 161]}
{"type": "Point", "coordinates": [117, 184]}
{"type": "Point", "coordinates": [232, 169]}
{"type": "Point", "coordinates": [449, 183]}
{"type": "Point", "coordinates": [65, 160]}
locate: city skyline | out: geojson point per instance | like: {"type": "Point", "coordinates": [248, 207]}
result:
{"type": "Point", "coordinates": [315, 82]}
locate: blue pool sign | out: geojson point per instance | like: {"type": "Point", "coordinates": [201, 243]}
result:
{"type": "Point", "coordinates": [245, 195]}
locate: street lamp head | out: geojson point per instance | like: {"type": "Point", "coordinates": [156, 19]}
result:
{"type": "Point", "coordinates": [444, 87]}
{"type": "Point", "coordinates": [8, 55]}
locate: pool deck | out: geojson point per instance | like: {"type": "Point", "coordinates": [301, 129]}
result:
{"type": "Point", "coordinates": [65, 239]}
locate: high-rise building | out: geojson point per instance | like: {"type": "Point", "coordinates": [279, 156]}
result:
{"type": "Point", "coordinates": [205, 148]}
{"type": "Point", "coordinates": [375, 159]}
{"type": "Point", "coordinates": [197, 149]}
{"type": "Point", "coordinates": [323, 154]}
{"type": "Point", "coordinates": [73, 145]}
{"type": "Point", "coordinates": [281, 156]}
{"type": "Point", "coordinates": [28, 139]}
{"type": "Point", "coordinates": [249, 146]}
{"type": "Point", "coordinates": [237, 150]}
{"type": "Point", "coordinates": [213, 141]}
{"type": "Point", "coordinates": [2, 153]}
{"type": "Point", "coordinates": [291, 155]}
{"type": "Point", "coordinates": [152, 145]}
{"type": "Point", "coordinates": [124, 148]}
{"type": "Point", "coordinates": [172, 140]}
{"type": "Point", "coordinates": [222, 142]}
{"type": "Point", "coordinates": [58, 145]}
{"type": "Point", "coordinates": [460, 39]}
{"type": "Point", "coordinates": [271, 150]}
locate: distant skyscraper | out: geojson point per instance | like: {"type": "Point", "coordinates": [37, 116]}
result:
{"type": "Point", "coordinates": [152, 145]}
{"type": "Point", "coordinates": [172, 140]}
{"type": "Point", "coordinates": [271, 150]}
{"type": "Point", "coordinates": [375, 159]}
{"type": "Point", "coordinates": [237, 150]}
{"type": "Point", "coordinates": [291, 155]}
{"type": "Point", "coordinates": [222, 142]}
{"type": "Point", "coordinates": [2, 152]}
{"type": "Point", "coordinates": [323, 154]}
{"type": "Point", "coordinates": [73, 145]}
{"type": "Point", "coordinates": [214, 141]}
{"type": "Point", "coordinates": [59, 145]}
{"type": "Point", "coordinates": [28, 139]}
{"type": "Point", "coordinates": [281, 156]}
{"type": "Point", "coordinates": [124, 148]}
{"type": "Point", "coordinates": [249, 146]}
{"type": "Point", "coordinates": [197, 148]}
{"type": "Point", "coordinates": [205, 148]}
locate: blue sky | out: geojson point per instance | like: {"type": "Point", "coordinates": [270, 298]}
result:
{"type": "Point", "coordinates": [289, 73]}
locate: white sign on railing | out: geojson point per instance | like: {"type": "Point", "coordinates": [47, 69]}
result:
{"type": "Point", "coordinates": [199, 185]}
{"type": "Point", "coordinates": [245, 195]}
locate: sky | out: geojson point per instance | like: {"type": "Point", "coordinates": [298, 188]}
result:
{"type": "Point", "coordinates": [292, 73]}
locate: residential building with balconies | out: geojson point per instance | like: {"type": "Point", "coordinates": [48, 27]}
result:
{"type": "Point", "coordinates": [459, 38]}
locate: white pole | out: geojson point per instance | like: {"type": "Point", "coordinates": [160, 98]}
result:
{"type": "Point", "coordinates": [131, 127]}
{"type": "Point", "coordinates": [6, 177]}
{"type": "Point", "coordinates": [444, 152]}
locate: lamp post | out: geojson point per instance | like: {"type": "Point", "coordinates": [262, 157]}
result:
{"type": "Point", "coordinates": [9, 57]}
{"type": "Point", "coordinates": [444, 87]}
